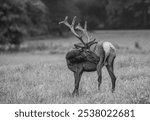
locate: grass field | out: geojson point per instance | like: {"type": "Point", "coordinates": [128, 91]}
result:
{"type": "Point", "coordinates": [40, 75]}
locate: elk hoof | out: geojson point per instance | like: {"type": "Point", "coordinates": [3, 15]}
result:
{"type": "Point", "coordinates": [113, 90]}
{"type": "Point", "coordinates": [75, 93]}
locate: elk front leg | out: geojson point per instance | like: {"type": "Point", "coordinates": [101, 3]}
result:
{"type": "Point", "coordinates": [99, 73]}
{"type": "Point", "coordinates": [77, 76]}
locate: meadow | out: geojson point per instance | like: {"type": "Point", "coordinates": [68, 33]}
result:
{"type": "Point", "coordinates": [38, 74]}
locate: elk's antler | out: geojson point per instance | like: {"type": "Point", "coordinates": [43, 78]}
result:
{"type": "Point", "coordinates": [72, 27]}
{"type": "Point", "coordinates": [84, 30]}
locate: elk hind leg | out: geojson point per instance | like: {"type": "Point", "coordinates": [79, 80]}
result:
{"type": "Point", "coordinates": [110, 69]}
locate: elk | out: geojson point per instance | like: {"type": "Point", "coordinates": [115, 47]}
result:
{"type": "Point", "coordinates": [89, 56]}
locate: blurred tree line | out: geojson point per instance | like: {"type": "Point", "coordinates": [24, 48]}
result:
{"type": "Point", "coordinates": [19, 18]}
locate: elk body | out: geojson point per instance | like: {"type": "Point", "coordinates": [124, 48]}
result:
{"type": "Point", "coordinates": [89, 56]}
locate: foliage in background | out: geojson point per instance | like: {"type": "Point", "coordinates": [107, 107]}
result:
{"type": "Point", "coordinates": [100, 14]}
{"type": "Point", "coordinates": [19, 18]}
{"type": "Point", "coordinates": [94, 12]}
{"type": "Point", "coordinates": [57, 10]}
{"type": "Point", "coordinates": [128, 14]}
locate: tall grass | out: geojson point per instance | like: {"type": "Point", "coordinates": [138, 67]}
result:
{"type": "Point", "coordinates": [46, 79]}
{"type": "Point", "coordinates": [53, 83]}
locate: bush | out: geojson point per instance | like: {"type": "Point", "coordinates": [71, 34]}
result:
{"type": "Point", "coordinates": [19, 18]}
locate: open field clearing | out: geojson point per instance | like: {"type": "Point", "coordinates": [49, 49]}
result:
{"type": "Point", "coordinates": [41, 75]}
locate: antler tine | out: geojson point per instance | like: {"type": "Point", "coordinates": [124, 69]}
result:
{"type": "Point", "coordinates": [86, 33]}
{"type": "Point", "coordinates": [72, 28]}
{"type": "Point", "coordinates": [85, 25]}
{"type": "Point", "coordinates": [73, 22]}
{"type": "Point", "coordinates": [84, 30]}
{"type": "Point", "coordinates": [65, 22]}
